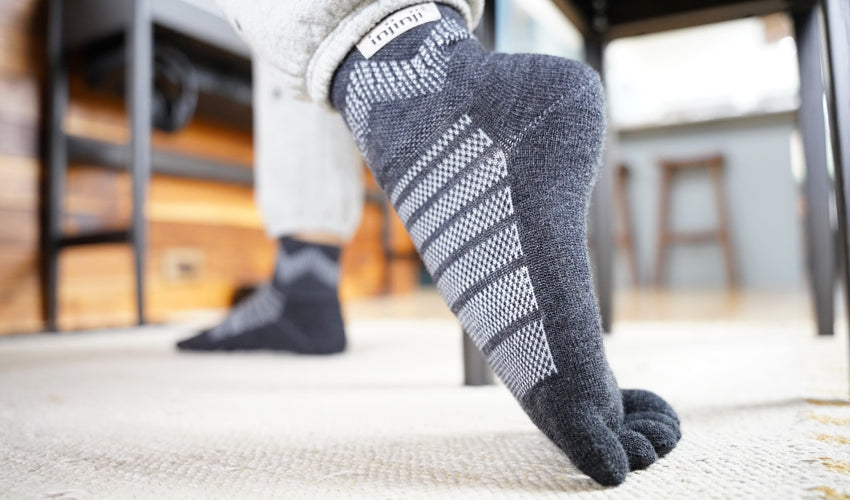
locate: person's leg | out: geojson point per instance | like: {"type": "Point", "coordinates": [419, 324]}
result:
{"type": "Point", "coordinates": [309, 190]}
{"type": "Point", "coordinates": [489, 161]}
{"type": "Point", "coordinates": [309, 178]}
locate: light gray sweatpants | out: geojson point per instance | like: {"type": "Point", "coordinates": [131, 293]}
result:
{"type": "Point", "coordinates": [308, 172]}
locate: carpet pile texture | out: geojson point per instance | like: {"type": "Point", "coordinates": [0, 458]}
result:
{"type": "Point", "coordinates": [121, 414]}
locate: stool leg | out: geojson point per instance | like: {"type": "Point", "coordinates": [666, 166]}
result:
{"type": "Point", "coordinates": [601, 216]}
{"type": "Point", "coordinates": [837, 14]}
{"type": "Point", "coordinates": [811, 119]}
{"type": "Point", "coordinates": [663, 219]}
{"type": "Point", "coordinates": [57, 163]}
{"type": "Point", "coordinates": [603, 248]}
{"type": "Point", "coordinates": [621, 188]}
{"type": "Point", "coordinates": [723, 232]}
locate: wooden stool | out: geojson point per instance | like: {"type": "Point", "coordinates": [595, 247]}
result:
{"type": "Point", "coordinates": [720, 234]}
{"type": "Point", "coordinates": [625, 237]}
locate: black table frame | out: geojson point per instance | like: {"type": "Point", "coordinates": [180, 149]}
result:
{"type": "Point", "coordinates": [824, 71]}
{"type": "Point", "coordinates": [71, 24]}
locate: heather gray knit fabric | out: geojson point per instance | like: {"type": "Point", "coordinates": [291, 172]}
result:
{"type": "Point", "coordinates": [298, 311]}
{"type": "Point", "coordinates": [489, 161]}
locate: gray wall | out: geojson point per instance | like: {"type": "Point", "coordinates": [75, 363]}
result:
{"type": "Point", "coordinates": [762, 193]}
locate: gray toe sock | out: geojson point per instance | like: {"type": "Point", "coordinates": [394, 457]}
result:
{"type": "Point", "coordinates": [298, 311]}
{"type": "Point", "coordinates": [489, 161]}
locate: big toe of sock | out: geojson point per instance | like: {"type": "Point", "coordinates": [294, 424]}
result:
{"type": "Point", "coordinates": [591, 446]}
{"type": "Point", "coordinates": [605, 450]}
{"type": "Point", "coordinates": [640, 442]}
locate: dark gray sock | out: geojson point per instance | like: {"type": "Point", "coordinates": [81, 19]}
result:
{"type": "Point", "coordinates": [298, 311]}
{"type": "Point", "coordinates": [489, 160]}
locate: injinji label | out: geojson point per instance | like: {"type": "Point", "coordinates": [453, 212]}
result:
{"type": "Point", "coordinates": [390, 28]}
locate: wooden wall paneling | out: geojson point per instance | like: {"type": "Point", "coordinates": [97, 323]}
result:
{"type": "Point", "coordinates": [20, 304]}
{"type": "Point", "coordinates": [226, 257]}
{"type": "Point", "coordinates": [21, 37]}
{"type": "Point", "coordinates": [19, 182]}
{"type": "Point", "coordinates": [200, 202]}
{"type": "Point", "coordinates": [363, 266]}
{"type": "Point", "coordinates": [17, 260]}
{"type": "Point", "coordinates": [19, 227]}
{"type": "Point", "coordinates": [95, 116]}
{"type": "Point", "coordinates": [20, 98]}
{"type": "Point", "coordinates": [101, 116]}
{"type": "Point", "coordinates": [97, 287]}
{"type": "Point", "coordinates": [19, 140]}
{"type": "Point", "coordinates": [21, 47]}
{"type": "Point", "coordinates": [19, 284]}
{"type": "Point", "coordinates": [212, 226]}
{"type": "Point", "coordinates": [98, 290]}
{"type": "Point", "coordinates": [95, 199]}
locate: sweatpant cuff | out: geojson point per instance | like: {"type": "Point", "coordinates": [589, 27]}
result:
{"type": "Point", "coordinates": [333, 49]}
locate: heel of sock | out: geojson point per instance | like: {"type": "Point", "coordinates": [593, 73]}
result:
{"type": "Point", "coordinates": [322, 319]}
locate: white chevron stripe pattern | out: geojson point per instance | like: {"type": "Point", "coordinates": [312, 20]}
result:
{"type": "Point", "coordinates": [291, 267]}
{"type": "Point", "coordinates": [486, 214]}
{"type": "Point", "coordinates": [466, 153]}
{"type": "Point", "coordinates": [263, 307]}
{"type": "Point", "coordinates": [373, 82]}
{"type": "Point", "coordinates": [479, 262]}
{"type": "Point", "coordinates": [448, 182]}
{"type": "Point", "coordinates": [523, 359]}
{"type": "Point", "coordinates": [507, 299]}
{"type": "Point", "coordinates": [429, 156]}
{"type": "Point", "coordinates": [459, 196]}
{"type": "Point", "coordinates": [502, 302]}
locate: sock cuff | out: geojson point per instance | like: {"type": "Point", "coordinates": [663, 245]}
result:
{"type": "Point", "coordinates": [292, 246]}
{"type": "Point", "coordinates": [306, 269]}
{"type": "Point", "coordinates": [333, 49]}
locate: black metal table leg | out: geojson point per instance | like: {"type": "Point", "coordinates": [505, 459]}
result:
{"type": "Point", "coordinates": [602, 215]}
{"type": "Point", "coordinates": [56, 161]}
{"type": "Point", "coordinates": [812, 121]}
{"type": "Point", "coordinates": [139, 87]}
{"type": "Point", "coordinates": [475, 368]}
{"type": "Point", "coordinates": [476, 371]}
{"type": "Point", "coordinates": [837, 16]}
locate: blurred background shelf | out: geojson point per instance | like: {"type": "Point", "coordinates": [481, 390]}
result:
{"type": "Point", "coordinates": [128, 45]}
{"type": "Point", "coordinates": [117, 156]}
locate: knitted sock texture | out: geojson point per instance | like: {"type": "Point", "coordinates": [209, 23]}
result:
{"type": "Point", "coordinates": [489, 160]}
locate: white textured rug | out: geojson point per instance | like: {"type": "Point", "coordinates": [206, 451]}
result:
{"type": "Point", "coordinates": [121, 414]}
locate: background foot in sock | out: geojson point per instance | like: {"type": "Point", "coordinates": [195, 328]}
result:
{"type": "Point", "coordinates": [489, 160]}
{"type": "Point", "coordinates": [298, 311]}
